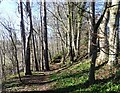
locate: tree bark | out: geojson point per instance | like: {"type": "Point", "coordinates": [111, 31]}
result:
{"type": "Point", "coordinates": [41, 38]}
{"type": "Point", "coordinates": [103, 42]}
{"type": "Point", "coordinates": [27, 57]}
{"type": "Point", "coordinates": [114, 10]}
{"type": "Point", "coordinates": [94, 41]}
{"type": "Point", "coordinates": [79, 25]}
{"type": "Point", "coordinates": [35, 57]}
{"type": "Point", "coordinates": [1, 73]}
{"type": "Point", "coordinates": [45, 36]}
{"type": "Point", "coordinates": [70, 32]}
{"type": "Point", "coordinates": [22, 26]}
{"type": "Point", "coordinates": [94, 47]}
{"type": "Point", "coordinates": [31, 29]}
{"type": "Point", "coordinates": [16, 58]}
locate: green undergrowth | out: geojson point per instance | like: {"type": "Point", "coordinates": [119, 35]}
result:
{"type": "Point", "coordinates": [75, 78]}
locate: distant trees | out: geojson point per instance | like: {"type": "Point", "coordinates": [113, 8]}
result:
{"type": "Point", "coordinates": [75, 18]}
{"type": "Point", "coordinates": [14, 51]}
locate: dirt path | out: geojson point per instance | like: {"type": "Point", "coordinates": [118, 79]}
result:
{"type": "Point", "coordinates": [37, 82]}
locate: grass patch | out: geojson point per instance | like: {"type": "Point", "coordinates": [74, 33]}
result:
{"type": "Point", "coordinates": [74, 80]}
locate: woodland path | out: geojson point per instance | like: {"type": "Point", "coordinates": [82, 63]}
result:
{"type": "Point", "coordinates": [38, 83]}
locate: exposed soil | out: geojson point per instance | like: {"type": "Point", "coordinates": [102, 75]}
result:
{"type": "Point", "coordinates": [38, 82]}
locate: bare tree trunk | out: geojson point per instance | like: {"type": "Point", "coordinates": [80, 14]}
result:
{"type": "Point", "coordinates": [94, 41]}
{"type": "Point", "coordinates": [22, 26]}
{"type": "Point", "coordinates": [90, 35]}
{"type": "Point", "coordinates": [16, 58]}
{"type": "Point", "coordinates": [45, 37]}
{"type": "Point", "coordinates": [62, 43]}
{"type": "Point", "coordinates": [42, 54]}
{"type": "Point", "coordinates": [89, 40]}
{"type": "Point", "coordinates": [42, 44]}
{"type": "Point", "coordinates": [73, 17]}
{"type": "Point", "coordinates": [14, 48]}
{"type": "Point", "coordinates": [3, 60]}
{"type": "Point", "coordinates": [79, 25]}
{"type": "Point", "coordinates": [113, 32]}
{"type": "Point", "coordinates": [35, 57]}
{"type": "Point", "coordinates": [15, 55]}
{"type": "Point", "coordinates": [31, 32]}
{"type": "Point", "coordinates": [70, 32]}
{"type": "Point", "coordinates": [38, 45]}
{"type": "Point", "coordinates": [103, 42]}
{"type": "Point", "coordinates": [27, 57]}
{"type": "Point", "coordinates": [32, 57]}
{"type": "Point", "coordinates": [94, 47]}
{"type": "Point", "coordinates": [31, 28]}
{"type": "Point", "coordinates": [13, 60]}
{"type": "Point", "coordinates": [78, 36]}
{"type": "Point", "coordinates": [1, 73]}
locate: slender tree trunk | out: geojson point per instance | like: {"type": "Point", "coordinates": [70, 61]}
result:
{"type": "Point", "coordinates": [90, 34]}
{"type": "Point", "coordinates": [79, 25]}
{"type": "Point", "coordinates": [73, 16]}
{"type": "Point", "coordinates": [14, 48]}
{"type": "Point", "coordinates": [37, 39]}
{"type": "Point", "coordinates": [22, 26]}
{"type": "Point", "coordinates": [89, 40]}
{"type": "Point", "coordinates": [16, 58]}
{"type": "Point", "coordinates": [41, 38]}
{"type": "Point", "coordinates": [70, 32]}
{"type": "Point", "coordinates": [35, 57]}
{"type": "Point", "coordinates": [31, 32]}
{"type": "Point", "coordinates": [13, 59]}
{"type": "Point", "coordinates": [62, 44]}
{"type": "Point", "coordinates": [94, 41]}
{"type": "Point", "coordinates": [31, 29]}
{"type": "Point", "coordinates": [27, 57]}
{"type": "Point", "coordinates": [3, 60]}
{"type": "Point", "coordinates": [39, 44]}
{"type": "Point", "coordinates": [32, 57]}
{"type": "Point", "coordinates": [1, 73]}
{"type": "Point", "coordinates": [94, 47]}
{"type": "Point", "coordinates": [45, 37]}
{"type": "Point", "coordinates": [15, 54]}
{"type": "Point", "coordinates": [78, 36]}
{"type": "Point", "coordinates": [42, 55]}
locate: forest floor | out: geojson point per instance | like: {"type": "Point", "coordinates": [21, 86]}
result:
{"type": "Point", "coordinates": [67, 79]}
{"type": "Point", "coordinates": [37, 82]}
